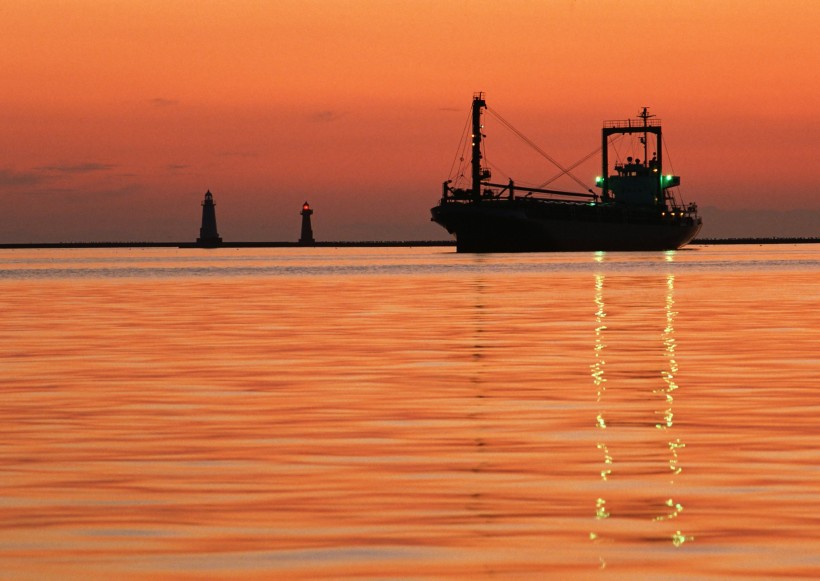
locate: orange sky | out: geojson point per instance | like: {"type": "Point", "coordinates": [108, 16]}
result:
{"type": "Point", "coordinates": [117, 116]}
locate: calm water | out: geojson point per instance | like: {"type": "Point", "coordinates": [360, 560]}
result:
{"type": "Point", "coordinates": [410, 414]}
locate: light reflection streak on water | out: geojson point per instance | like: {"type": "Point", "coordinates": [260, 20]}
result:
{"type": "Point", "coordinates": [599, 381]}
{"type": "Point", "coordinates": [671, 508]}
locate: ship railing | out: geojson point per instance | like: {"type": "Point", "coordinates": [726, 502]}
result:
{"type": "Point", "coordinates": [681, 211]}
{"type": "Point", "coordinates": [631, 123]}
{"type": "Point", "coordinates": [516, 191]}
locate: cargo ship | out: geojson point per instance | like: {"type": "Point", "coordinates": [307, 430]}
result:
{"type": "Point", "coordinates": [636, 207]}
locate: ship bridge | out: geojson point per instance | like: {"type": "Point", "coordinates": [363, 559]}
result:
{"type": "Point", "coordinates": [638, 181]}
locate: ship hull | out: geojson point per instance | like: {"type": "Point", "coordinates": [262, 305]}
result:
{"type": "Point", "coordinates": [523, 225]}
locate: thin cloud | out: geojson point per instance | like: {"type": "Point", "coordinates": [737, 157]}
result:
{"type": "Point", "coordinates": [52, 192]}
{"type": "Point", "coordinates": [10, 178]}
{"type": "Point", "coordinates": [79, 167]}
{"type": "Point", "coordinates": [90, 194]}
{"type": "Point", "coordinates": [126, 190]}
{"type": "Point", "coordinates": [326, 116]}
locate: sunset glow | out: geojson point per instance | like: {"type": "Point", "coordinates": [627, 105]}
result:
{"type": "Point", "coordinates": [118, 116]}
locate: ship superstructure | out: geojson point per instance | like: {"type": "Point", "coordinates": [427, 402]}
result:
{"type": "Point", "coordinates": [635, 209]}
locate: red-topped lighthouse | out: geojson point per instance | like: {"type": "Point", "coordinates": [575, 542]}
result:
{"type": "Point", "coordinates": [307, 231]}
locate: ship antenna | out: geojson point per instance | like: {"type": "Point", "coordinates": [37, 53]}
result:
{"type": "Point", "coordinates": [645, 116]}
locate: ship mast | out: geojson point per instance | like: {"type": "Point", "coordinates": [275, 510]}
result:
{"type": "Point", "coordinates": [478, 105]}
{"type": "Point", "coordinates": [645, 116]}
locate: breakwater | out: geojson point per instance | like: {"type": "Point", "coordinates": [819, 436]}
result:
{"type": "Point", "coordinates": [347, 244]}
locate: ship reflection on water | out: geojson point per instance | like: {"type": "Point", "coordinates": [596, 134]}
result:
{"type": "Point", "coordinates": [519, 334]}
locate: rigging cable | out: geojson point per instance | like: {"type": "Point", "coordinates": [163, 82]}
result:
{"type": "Point", "coordinates": [460, 150]}
{"type": "Point", "coordinates": [611, 141]}
{"type": "Point", "coordinates": [677, 190]}
{"type": "Point", "coordinates": [496, 169]}
{"type": "Point", "coordinates": [538, 149]}
{"type": "Point", "coordinates": [573, 166]}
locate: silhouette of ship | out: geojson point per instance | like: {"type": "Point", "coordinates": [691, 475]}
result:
{"type": "Point", "coordinates": [635, 210]}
